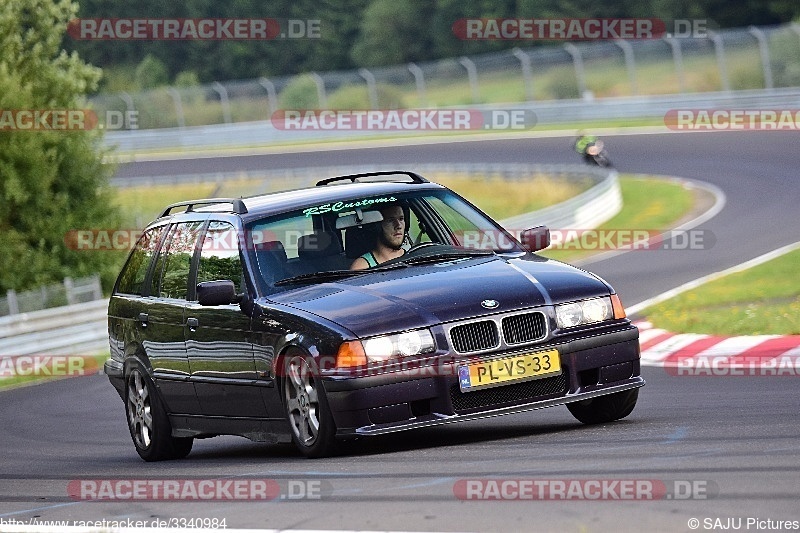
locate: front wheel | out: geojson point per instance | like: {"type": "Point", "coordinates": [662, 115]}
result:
{"type": "Point", "coordinates": [147, 420]}
{"type": "Point", "coordinates": [604, 409]}
{"type": "Point", "coordinates": [313, 428]}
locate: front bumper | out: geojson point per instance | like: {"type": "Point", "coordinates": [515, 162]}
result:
{"type": "Point", "coordinates": [593, 365]}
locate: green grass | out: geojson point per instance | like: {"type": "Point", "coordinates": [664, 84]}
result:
{"type": "Point", "coordinates": [762, 300]}
{"type": "Point", "coordinates": [140, 205]}
{"type": "Point", "coordinates": [500, 198]}
{"type": "Point", "coordinates": [647, 204]}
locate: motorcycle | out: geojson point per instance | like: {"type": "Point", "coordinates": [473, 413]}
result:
{"type": "Point", "coordinates": [595, 153]}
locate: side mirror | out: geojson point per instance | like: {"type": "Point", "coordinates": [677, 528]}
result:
{"type": "Point", "coordinates": [221, 292]}
{"type": "Point", "coordinates": [535, 239]}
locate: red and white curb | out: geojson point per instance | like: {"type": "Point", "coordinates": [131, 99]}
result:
{"type": "Point", "coordinates": [693, 354]}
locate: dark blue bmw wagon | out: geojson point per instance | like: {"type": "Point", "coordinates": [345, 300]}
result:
{"type": "Point", "coordinates": [369, 304]}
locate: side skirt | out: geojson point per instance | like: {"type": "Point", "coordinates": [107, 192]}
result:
{"type": "Point", "coordinates": [271, 431]}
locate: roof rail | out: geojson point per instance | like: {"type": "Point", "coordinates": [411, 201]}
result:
{"type": "Point", "coordinates": [354, 178]}
{"type": "Point", "coordinates": [237, 204]}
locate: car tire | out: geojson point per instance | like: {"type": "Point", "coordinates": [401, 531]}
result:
{"type": "Point", "coordinates": [604, 409]}
{"type": "Point", "coordinates": [312, 427]}
{"type": "Point", "coordinates": [148, 422]}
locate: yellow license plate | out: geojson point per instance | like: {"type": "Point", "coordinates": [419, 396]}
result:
{"type": "Point", "coordinates": [509, 369]}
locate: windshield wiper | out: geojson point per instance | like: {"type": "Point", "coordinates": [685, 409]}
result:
{"type": "Point", "coordinates": [328, 275]}
{"type": "Point", "coordinates": [442, 256]}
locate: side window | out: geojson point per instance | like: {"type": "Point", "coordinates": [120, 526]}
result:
{"type": "Point", "coordinates": [457, 223]}
{"type": "Point", "coordinates": [416, 230]}
{"type": "Point", "coordinates": [176, 258]}
{"type": "Point", "coordinates": [131, 280]}
{"type": "Point", "coordinates": [219, 255]}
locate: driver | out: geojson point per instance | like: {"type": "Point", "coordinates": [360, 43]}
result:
{"type": "Point", "coordinates": [389, 241]}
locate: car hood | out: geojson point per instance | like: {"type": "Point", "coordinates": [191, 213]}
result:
{"type": "Point", "coordinates": [424, 295]}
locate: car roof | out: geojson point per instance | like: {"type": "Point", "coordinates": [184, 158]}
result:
{"type": "Point", "coordinates": [256, 207]}
{"type": "Point", "coordinates": [284, 201]}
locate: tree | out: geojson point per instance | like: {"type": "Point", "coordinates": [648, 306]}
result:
{"type": "Point", "coordinates": [393, 32]}
{"type": "Point", "coordinates": [52, 181]}
{"type": "Point", "coordinates": [151, 73]}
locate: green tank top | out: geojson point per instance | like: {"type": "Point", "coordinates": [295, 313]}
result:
{"type": "Point", "coordinates": [370, 259]}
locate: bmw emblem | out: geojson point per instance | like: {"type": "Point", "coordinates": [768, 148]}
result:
{"type": "Point", "coordinates": [490, 304]}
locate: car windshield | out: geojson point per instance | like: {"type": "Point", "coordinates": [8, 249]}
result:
{"type": "Point", "coordinates": [321, 242]}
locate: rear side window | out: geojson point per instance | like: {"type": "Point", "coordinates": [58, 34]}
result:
{"type": "Point", "coordinates": [176, 258]}
{"type": "Point", "coordinates": [131, 280]}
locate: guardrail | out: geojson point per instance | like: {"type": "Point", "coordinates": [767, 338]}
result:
{"type": "Point", "coordinates": [82, 328]}
{"type": "Point", "coordinates": [584, 211]}
{"type": "Point", "coordinates": [261, 133]}
{"type": "Point", "coordinates": [68, 330]}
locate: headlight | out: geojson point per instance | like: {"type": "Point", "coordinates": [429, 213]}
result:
{"type": "Point", "coordinates": [568, 315]}
{"type": "Point", "coordinates": [401, 344]}
{"type": "Point", "coordinates": [596, 310]}
{"type": "Point", "coordinates": [584, 312]}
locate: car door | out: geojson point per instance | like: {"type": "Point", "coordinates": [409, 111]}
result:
{"type": "Point", "coordinates": [164, 318]}
{"type": "Point", "coordinates": [219, 339]}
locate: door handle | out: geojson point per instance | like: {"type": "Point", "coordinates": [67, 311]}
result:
{"type": "Point", "coordinates": [143, 317]}
{"type": "Point", "coordinates": [192, 323]}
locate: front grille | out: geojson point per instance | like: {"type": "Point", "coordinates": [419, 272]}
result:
{"type": "Point", "coordinates": [527, 327]}
{"type": "Point", "coordinates": [475, 336]}
{"type": "Point", "coordinates": [507, 394]}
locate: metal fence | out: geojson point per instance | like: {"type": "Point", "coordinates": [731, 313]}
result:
{"type": "Point", "coordinates": [730, 60]}
{"type": "Point", "coordinates": [69, 292]}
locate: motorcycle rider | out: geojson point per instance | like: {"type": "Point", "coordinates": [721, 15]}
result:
{"type": "Point", "coordinates": [582, 142]}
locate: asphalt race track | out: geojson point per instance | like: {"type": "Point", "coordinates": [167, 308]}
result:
{"type": "Point", "coordinates": [716, 449]}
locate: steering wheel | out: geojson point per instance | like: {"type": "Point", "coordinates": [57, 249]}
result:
{"type": "Point", "coordinates": [421, 245]}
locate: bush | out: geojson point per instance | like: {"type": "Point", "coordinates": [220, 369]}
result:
{"type": "Point", "coordinates": [357, 97]}
{"type": "Point", "coordinates": [784, 51]}
{"type": "Point", "coordinates": [187, 78]}
{"type": "Point", "coordinates": [561, 84]}
{"type": "Point", "coordinates": [300, 93]}
{"type": "Point", "coordinates": [150, 73]}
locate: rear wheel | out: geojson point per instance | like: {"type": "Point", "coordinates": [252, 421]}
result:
{"type": "Point", "coordinates": [313, 429]}
{"type": "Point", "coordinates": [602, 160]}
{"type": "Point", "coordinates": [148, 422]}
{"type": "Point", "coordinates": [604, 409]}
